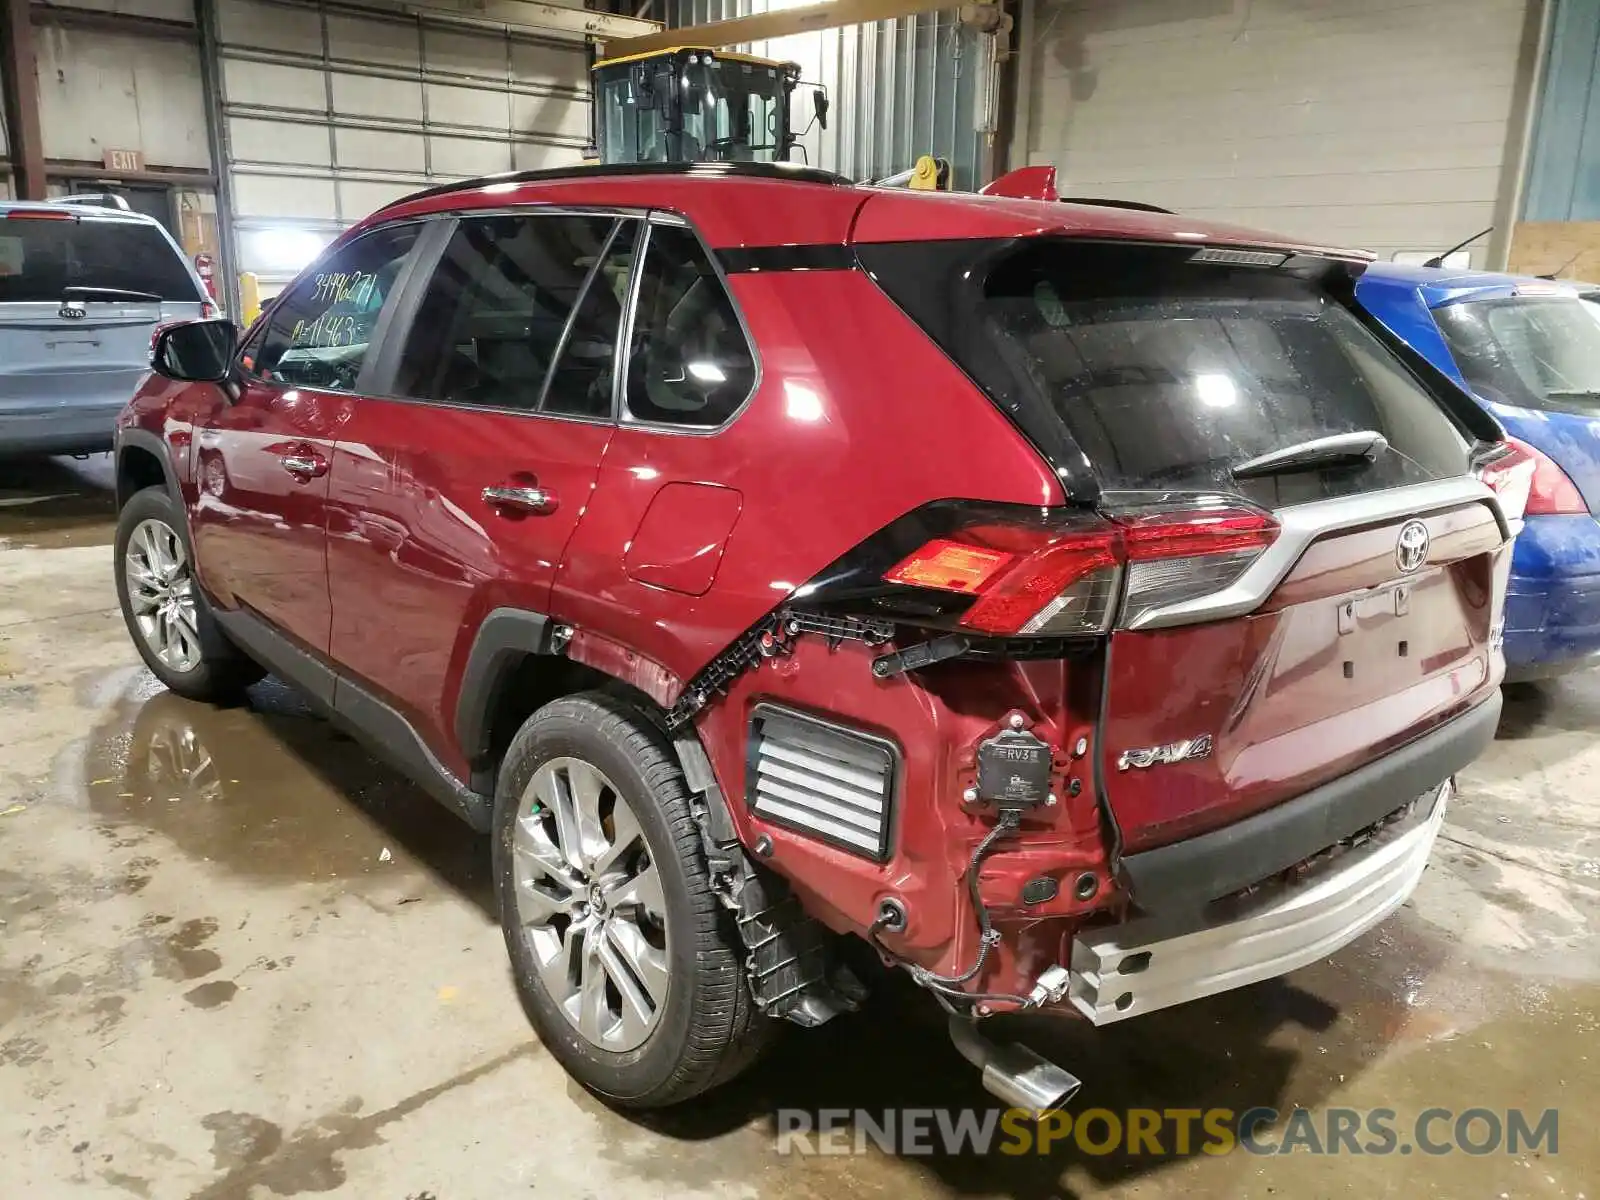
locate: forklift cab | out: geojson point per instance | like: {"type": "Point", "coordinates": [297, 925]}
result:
{"type": "Point", "coordinates": [691, 104]}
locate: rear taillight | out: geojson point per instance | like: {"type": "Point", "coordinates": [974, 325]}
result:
{"type": "Point", "coordinates": [1175, 557]}
{"type": "Point", "coordinates": [1508, 470]}
{"type": "Point", "coordinates": [209, 309]}
{"type": "Point", "coordinates": [1034, 581]}
{"type": "Point", "coordinates": [1552, 492]}
{"type": "Point", "coordinates": [1066, 587]}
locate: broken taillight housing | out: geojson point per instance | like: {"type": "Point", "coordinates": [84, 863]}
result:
{"type": "Point", "coordinates": [1032, 580]}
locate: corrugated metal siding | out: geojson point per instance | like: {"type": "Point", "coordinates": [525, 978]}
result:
{"type": "Point", "coordinates": [101, 90]}
{"type": "Point", "coordinates": [1375, 123]}
{"type": "Point", "coordinates": [1564, 175]}
{"type": "Point", "coordinates": [331, 113]}
{"type": "Point", "coordinates": [917, 85]}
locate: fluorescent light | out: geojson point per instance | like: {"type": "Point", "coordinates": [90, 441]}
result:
{"type": "Point", "coordinates": [803, 404]}
{"type": "Point", "coordinates": [705, 372]}
{"type": "Point", "coordinates": [283, 251]}
{"type": "Point", "coordinates": [1216, 391]}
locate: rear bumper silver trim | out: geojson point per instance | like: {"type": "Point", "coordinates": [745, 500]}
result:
{"type": "Point", "coordinates": [1151, 963]}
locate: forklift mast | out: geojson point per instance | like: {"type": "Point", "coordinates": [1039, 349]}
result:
{"type": "Point", "coordinates": [692, 104]}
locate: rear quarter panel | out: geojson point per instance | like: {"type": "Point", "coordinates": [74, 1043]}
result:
{"type": "Point", "coordinates": [856, 420]}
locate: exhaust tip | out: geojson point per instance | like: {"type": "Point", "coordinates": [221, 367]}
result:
{"type": "Point", "coordinates": [1013, 1073]}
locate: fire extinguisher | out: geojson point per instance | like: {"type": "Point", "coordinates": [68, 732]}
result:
{"type": "Point", "coordinates": [205, 267]}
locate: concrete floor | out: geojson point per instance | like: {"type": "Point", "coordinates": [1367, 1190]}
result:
{"type": "Point", "coordinates": [239, 959]}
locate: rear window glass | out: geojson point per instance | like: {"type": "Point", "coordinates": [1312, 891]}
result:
{"type": "Point", "coordinates": [39, 259]}
{"type": "Point", "coordinates": [1534, 352]}
{"type": "Point", "coordinates": [1166, 374]}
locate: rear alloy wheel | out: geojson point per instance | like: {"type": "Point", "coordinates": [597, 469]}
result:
{"type": "Point", "coordinates": [165, 609]}
{"type": "Point", "coordinates": [590, 902]}
{"type": "Point", "coordinates": [626, 961]}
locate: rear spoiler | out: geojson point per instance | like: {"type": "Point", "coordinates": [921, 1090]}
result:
{"type": "Point", "coordinates": [95, 200]}
{"type": "Point", "coordinates": [1039, 183]}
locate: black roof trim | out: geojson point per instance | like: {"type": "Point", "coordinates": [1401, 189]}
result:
{"type": "Point", "coordinates": [1105, 202]}
{"type": "Point", "coordinates": [753, 260]}
{"type": "Point", "coordinates": [708, 170]}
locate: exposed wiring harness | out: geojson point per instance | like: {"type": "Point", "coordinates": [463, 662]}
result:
{"type": "Point", "coordinates": [950, 985]}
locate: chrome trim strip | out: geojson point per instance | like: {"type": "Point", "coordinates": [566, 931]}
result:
{"type": "Point", "coordinates": [1302, 524]}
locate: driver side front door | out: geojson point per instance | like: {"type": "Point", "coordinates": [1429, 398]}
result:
{"type": "Point", "coordinates": [261, 462]}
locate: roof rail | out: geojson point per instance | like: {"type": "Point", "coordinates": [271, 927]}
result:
{"type": "Point", "coordinates": [709, 170]}
{"type": "Point", "coordinates": [95, 200]}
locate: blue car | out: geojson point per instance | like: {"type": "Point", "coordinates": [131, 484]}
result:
{"type": "Point", "coordinates": [1529, 351]}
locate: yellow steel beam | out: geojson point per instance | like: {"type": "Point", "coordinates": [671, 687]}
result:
{"type": "Point", "coordinates": [780, 23]}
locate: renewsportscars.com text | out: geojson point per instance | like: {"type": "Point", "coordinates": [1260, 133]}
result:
{"type": "Point", "coordinates": [1156, 1133]}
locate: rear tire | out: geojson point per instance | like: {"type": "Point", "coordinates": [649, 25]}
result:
{"type": "Point", "coordinates": [165, 610]}
{"type": "Point", "coordinates": [625, 961]}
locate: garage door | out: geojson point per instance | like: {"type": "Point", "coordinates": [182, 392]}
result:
{"type": "Point", "coordinates": [331, 113]}
{"type": "Point", "coordinates": [1374, 123]}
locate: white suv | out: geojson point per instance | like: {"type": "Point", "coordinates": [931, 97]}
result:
{"type": "Point", "coordinates": [82, 289]}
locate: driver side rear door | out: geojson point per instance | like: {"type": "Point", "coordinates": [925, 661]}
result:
{"type": "Point", "coordinates": [261, 462]}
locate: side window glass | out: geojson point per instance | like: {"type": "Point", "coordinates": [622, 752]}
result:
{"type": "Point", "coordinates": [319, 334]}
{"type": "Point", "coordinates": [490, 322]}
{"type": "Point", "coordinates": [688, 362]}
{"type": "Point", "coordinates": [580, 384]}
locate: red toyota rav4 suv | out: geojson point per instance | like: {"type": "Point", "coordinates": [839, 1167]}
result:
{"type": "Point", "coordinates": [1087, 607]}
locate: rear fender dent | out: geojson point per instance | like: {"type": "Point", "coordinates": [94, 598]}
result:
{"type": "Point", "coordinates": [618, 661]}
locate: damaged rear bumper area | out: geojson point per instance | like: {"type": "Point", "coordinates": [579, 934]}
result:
{"type": "Point", "coordinates": [1123, 970]}
{"type": "Point", "coordinates": [1365, 866]}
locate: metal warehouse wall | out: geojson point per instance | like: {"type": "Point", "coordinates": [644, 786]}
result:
{"type": "Point", "coordinates": [1564, 180]}
{"type": "Point", "coordinates": [917, 85]}
{"type": "Point", "coordinates": [100, 89]}
{"type": "Point", "coordinates": [330, 112]}
{"type": "Point", "coordinates": [1384, 124]}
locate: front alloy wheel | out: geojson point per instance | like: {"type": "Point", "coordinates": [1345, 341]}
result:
{"type": "Point", "coordinates": [161, 595]}
{"type": "Point", "coordinates": [590, 903]}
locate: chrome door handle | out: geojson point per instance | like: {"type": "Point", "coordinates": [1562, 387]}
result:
{"type": "Point", "coordinates": [302, 463]}
{"type": "Point", "coordinates": [524, 499]}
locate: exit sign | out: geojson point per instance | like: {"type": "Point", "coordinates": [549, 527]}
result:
{"type": "Point", "coordinates": [123, 160]}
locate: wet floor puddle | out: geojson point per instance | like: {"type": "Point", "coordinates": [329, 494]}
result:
{"type": "Point", "coordinates": [271, 792]}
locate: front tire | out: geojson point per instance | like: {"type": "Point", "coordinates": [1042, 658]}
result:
{"type": "Point", "coordinates": [164, 609]}
{"type": "Point", "coordinates": [627, 964]}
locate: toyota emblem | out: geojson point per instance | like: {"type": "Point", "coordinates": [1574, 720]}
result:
{"type": "Point", "coordinates": [1411, 549]}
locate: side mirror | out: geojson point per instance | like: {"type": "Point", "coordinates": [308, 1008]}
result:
{"type": "Point", "coordinates": [195, 351]}
{"type": "Point", "coordinates": [819, 105]}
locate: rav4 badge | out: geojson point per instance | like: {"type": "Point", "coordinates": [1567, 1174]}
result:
{"type": "Point", "coordinates": [1196, 747]}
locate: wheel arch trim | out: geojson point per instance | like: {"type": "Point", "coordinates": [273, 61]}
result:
{"type": "Point", "coordinates": [504, 638]}
{"type": "Point", "coordinates": [142, 439]}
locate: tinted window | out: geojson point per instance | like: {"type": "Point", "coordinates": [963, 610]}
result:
{"type": "Point", "coordinates": [1537, 352]}
{"type": "Point", "coordinates": [580, 384]}
{"type": "Point", "coordinates": [320, 331]}
{"type": "Point", "coordinates": [688, 362]}
{"type": "Point", "coordinates": [39, 259]}
{"type": "Point", "coordinates": [1166, 373]}
{"type": "Point", "coordinates": [491, 320]}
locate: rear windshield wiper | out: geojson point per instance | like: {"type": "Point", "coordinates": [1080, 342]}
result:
{"type": "Point", "coordinates": [1574, 394]}
{"type": "Point", "coordinates": [1339, 447]}
{"type": "Point", "coordinates": [110, 295]}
